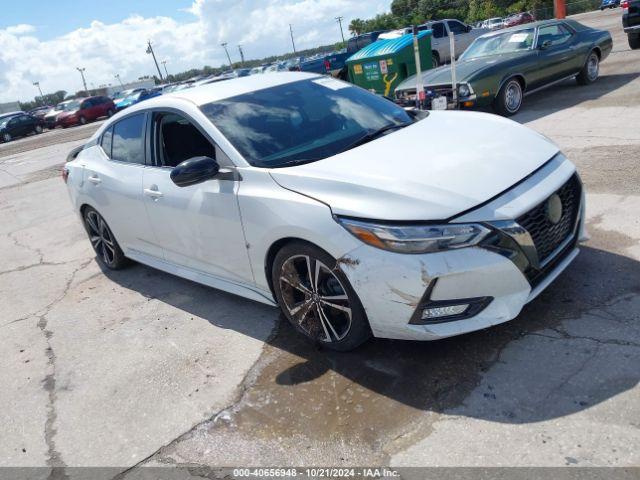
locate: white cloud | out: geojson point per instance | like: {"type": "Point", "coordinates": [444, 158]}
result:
{"type": "Point", "coordinates": [20, 29]}
{"type": "Point", "coordinates": [261, 26]}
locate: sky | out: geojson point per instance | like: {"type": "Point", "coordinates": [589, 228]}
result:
{"type": "Point", "coordinates": [46, 41]}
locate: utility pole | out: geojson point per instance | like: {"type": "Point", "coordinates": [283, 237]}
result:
{"type": "Point", "coordinates": [164, 64]}
{"type": "Point", "coordinates": [339, 20]}
{"type": "Point", "coordinates": [241, 54]}
{"type": "Point", "coordinates": [84, 82]}
{"type": "Point", "coordinates": [150, 50]}
{"type": "Point", "coordinates": [292, 42]}
{"type": "Point", "coordinates": [37, 84]}
{"type": "Point", "coordinates": [224, 45]}
{"type": "Point", "coordinates": [117, 75]}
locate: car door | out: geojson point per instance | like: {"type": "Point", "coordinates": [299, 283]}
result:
{"type": "Point", "coordinates": [460, 33]}
{"type": "Point", "coordinates": [556, 52]}
{"type": "Point", "coordinates": [113, 180]}
{"type": "Point", "coordinates": [199, 226]}
{"type": "Point", "coordinates": [440, 41]}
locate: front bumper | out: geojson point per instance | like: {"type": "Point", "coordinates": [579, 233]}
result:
{"type": "Point", "coordinates": [497, 278]}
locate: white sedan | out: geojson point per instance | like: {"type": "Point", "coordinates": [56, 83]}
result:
{"type": "Point", "coordinates": [356, 217]}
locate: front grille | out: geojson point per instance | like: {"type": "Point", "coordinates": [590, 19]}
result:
{"type": "Point", "coordinates": [547, 236]}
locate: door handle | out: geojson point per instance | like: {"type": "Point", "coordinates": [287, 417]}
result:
{"type": "Point", "coordinates": [153, 192]}
{"type": "Point", "coordinates": [94, 179]}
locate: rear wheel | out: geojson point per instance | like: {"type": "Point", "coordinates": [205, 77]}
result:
{"type": "Point", "coordinates": [590, 71]}
{"type": "Point", "coordinates": [6, 137]}
{"type": "Point", "coordinates": [509, 99]}
{"type": "Point", "coordinates": [83, 121]}
{"type": "Point", "coordinates": [317, 299]}
{"type": "Point", "coordinates": [435, 60]}
{"type": "Point", "coordinates": [110, 113]}
{"type": "Point", "coordinates": [634, 41]}
{"type": "Point", "coordinates": [102, 240]}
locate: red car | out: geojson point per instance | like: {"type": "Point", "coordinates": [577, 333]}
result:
{"type": "Point", "coordinates": [518, 19]}
{"type": "Point", "coordinates": [85, 110]}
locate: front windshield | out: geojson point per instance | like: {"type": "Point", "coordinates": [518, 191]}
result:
{"type": "Point", "coordinates": [301, 121]}
{"type": "Point", "coordinates": [501, 43]}
{"type": "Point", "coordinates": [68, 106]}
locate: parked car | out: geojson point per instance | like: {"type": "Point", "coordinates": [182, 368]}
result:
{"type": "Point", "coordinates": [118, 97]}
{"type": "Point", "coordinates": [20, 125]}
{"type": "Point", "coordinates": [495, 23]}
{"type": "Point", "coordinates": [82, 111]}
{"type": "Point", "coordinates": [441, 29]}
{"type": "Point", "coordinates": [135, 97]}
{"type": "Point", "coordinates": [609, 4]}
{"type": "Point", "coordinates": [356, 217]}
{"type": "Point", "coordinates": [51, 117]}
{"type": "Point", "coordinates": [631, 22]}
{"type": "Point", "coordinates": [40, 112]}
{"type": "Point", "coordinates": [518, 19]}
{"type": "Point", "coordinates": [500, 68]}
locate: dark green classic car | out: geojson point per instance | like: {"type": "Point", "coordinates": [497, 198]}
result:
{"type": "Point", "coordinates": [500, 68]}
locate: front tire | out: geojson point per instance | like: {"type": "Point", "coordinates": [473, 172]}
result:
{"type": "Point", "coordinates": [38, 129]}
{"type": "Point", "coordinates": [317, 298]}
{"type": "Point", "coordinates": [6, 138]}
{"type": "Point", "coordinates": [509, 99]}
{"type": "Point", "coordinates": [103, 241]}
{"type": "Point", "coordinates": [590, 71]}
{"type": "Point", "coordinates": [634, 41]}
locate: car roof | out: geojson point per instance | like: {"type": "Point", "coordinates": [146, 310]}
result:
{"type": "Point", "coordinates": [524, 26]}
{"type": "Point", "coordinates": [212, 92]}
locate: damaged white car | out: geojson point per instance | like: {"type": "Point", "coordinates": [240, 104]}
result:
{"type": "Point", "coordinates": [356, 217]}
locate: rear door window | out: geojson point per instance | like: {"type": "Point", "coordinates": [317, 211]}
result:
{"type": "Point", "coordinates": [128, 140]}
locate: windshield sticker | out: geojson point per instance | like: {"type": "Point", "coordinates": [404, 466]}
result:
{"type": "Point", "coordinates": [331, 83]}
{"type": "Point", "coordinates": [518, 37]}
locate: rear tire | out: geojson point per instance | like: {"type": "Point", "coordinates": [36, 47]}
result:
{"type": "Point", "coordinates": [103, 241]}
{"type": "Point", "coordinates": [509, 98]}
{"type": "Point", "coordinates": [590, 71]}
{"type": "Point", "coordinates": [317, 298]}
{"type": "Point", "coordinates": [6, 137]}
{"type": "Point", "coordinates": [83, 121]}
{"type": "Point", "coordinates": [435, 59]}
{"type": "Point", "coordinates": [110, 113]}
{"type": "Point", "coordinates": [634, 41]}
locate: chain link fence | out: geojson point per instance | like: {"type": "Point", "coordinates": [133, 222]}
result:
{"type": "Point", "coordinates": [573, 8]}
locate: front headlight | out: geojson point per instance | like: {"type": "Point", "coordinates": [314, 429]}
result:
{"type": "Point", "coordinates": [415, 238]}
{"type": "Point", "coordinates": [464, 90]}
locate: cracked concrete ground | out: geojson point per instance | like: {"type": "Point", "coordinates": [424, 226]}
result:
{"type": "Point", "coordinates": [137, 367]}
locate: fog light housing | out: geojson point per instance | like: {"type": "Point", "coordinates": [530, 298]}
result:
{"type": "Point", "coordinates": [432, 313]}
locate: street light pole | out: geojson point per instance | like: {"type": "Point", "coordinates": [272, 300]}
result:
{"type": "Point", "coordinates": [164, 64]}
{"type": "Point", "coordinates": [292, 42]}
{"type": "Point", "coordinates": [150, 50]}
{"type": "Point", "coordinates": [37, 84]}
{"type": "Point", "coordinates": [84, 82]}
{"type": "Point", "coordinates": [339, 20]}
{"type": "Point", "coordinates": [224, 45]}
{"type": "Point", "coordinates": [117, 75]}
{"type": "Point", "coordinates": [241, 54]}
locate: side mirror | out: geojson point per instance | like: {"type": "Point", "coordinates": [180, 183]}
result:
{"type": "Point", "coordinates": [195, 170]}
{"type": "Point", "coordinates": [544, 45]}
{"type": "Point", "coordinates": [469, 28]}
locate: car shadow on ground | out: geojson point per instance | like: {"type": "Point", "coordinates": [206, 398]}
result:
{"type": "Point", "coordinates": [536, 355]}
{"type": "Point", "coordinates": [568, 94]}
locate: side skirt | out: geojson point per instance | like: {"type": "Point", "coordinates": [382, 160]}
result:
{"type": "Point", "coordinates": [555, 82]}
{"type": "Point", "coordinates": [242, 290]}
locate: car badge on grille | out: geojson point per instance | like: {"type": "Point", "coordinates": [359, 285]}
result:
{"type": "Point", "coordinates": [554, 208]}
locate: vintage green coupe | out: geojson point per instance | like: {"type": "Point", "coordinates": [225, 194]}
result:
{"type": "Point", "coordinates": [500, 68]}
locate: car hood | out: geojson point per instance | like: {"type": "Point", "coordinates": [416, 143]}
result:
{"type": "Point", "coordinates": [431, 170]}
{"type": "Point", "coordinates": [465, 69]}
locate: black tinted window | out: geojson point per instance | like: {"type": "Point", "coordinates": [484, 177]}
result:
{"type": "Point", "coordinates": [438, 30]}
{"type": "Point", "coordinates": [106, 141]}
{"type": "Point", "coordinates": [128, 140]}
{"type": "Point", "coordinates": [457, 27]}
{"type": "Point", "coordinates": [301, 121]}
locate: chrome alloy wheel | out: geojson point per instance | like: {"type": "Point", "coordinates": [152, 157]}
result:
{"type": "Point", "coordinates": [315, 298]}
{"type": "Point", "coordinates": [593, 67]}
{"type": "Point", "coordinates": [513, 96]}
{"type": "Point", "coordinates": [101, 237]}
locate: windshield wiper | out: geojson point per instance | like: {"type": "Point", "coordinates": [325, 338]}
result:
{"type": "Point", "coordinates": [373, 134]}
